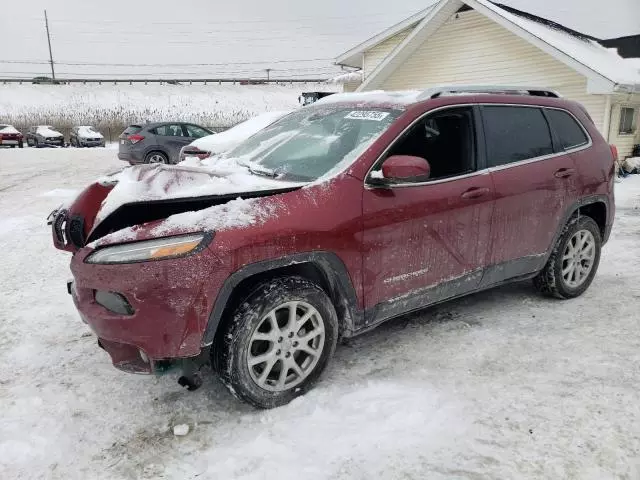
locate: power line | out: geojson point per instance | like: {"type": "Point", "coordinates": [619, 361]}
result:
{"type": "Point", "coordinates": [100, 64]}
{"type": "Point", "coordinates": [314, 18]}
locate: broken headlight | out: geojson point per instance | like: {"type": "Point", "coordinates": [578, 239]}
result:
{"type": "Point", "coordinates": [157, 249]}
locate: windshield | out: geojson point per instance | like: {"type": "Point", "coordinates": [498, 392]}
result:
{"type": "Point", "coordinates": [309, 143]}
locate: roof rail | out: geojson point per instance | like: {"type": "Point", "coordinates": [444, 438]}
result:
{"type": "Point", "coordinates": [444, 90]}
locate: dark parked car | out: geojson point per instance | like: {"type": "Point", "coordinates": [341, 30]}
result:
{"type": "Point", "coordinates": [85, 136]}
{"type": "Point", "coordinates": [10, 136]}
{"type": "Point", "coordinates": [157, 142]}
{"type": "Point", "coordinates": [44, 136]}
{"type": "Point", "coordinates": [354, 210]}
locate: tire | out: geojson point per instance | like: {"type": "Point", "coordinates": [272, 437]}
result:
{"type": "Point", "coordinates": [237, 343]}
{"type": "Point", "coordinates": [156, 157]}
{"type": "Point", "coordinates": [580, 244]}
{"type": "Point", "coordinates": [21, 145]}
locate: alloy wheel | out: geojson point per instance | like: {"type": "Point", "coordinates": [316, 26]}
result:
{"type": "Point", "coordinates": [286, 346]}
{"type": "Point", "coordinates": [157, 158]}
{"type": "Point", "coordinates": [578, 258]}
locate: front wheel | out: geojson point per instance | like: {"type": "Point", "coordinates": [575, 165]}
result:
{"type": "Point", "coordinates": [277, 343]}
{"type": "Point", "coordinates": [574, 260]}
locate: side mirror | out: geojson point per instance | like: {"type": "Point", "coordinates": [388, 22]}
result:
{"type": "Point", "coordinates": [405, 167]}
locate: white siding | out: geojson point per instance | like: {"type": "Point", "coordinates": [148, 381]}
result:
{"type": "Point", "coordinates": [623, 142]}
{"type": "Point", "coordinates": [378, 53]}
{"type": "Point", "coordinates": [471, 49]}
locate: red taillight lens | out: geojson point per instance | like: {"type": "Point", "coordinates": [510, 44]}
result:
{"type": "Point", "coordinates": [194, 152]}
{"type": "Point", "coordinates": [135, 138]}
{"type": "Point", "coordinates": [614, 152]}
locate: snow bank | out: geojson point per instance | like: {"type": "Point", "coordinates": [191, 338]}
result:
{"type": "Point", "coordinates": [221, 142]}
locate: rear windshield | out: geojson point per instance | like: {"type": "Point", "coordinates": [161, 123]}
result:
{"type": "Point", "coordinates": [132, 129]}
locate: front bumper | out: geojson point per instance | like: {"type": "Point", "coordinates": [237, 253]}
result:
{"type": "Point", "coordinates": [171, 301]}
{"type": "Point", "coordinates": [91, 143]}
{"type": "Point", "coordinates": [57, 142]}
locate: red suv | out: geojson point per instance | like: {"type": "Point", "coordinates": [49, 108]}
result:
{"type": "Point", "coordinates": [335, 218]}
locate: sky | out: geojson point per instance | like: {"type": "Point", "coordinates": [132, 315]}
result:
{"type": "Point", "coordinates": [239, 38]}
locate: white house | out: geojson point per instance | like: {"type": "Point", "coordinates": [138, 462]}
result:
{"type": "Point", "coordinates": [479, 42]}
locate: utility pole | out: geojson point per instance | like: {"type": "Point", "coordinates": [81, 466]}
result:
{"type": "Point", "coordinates": [46, 24]}
{"type": "Point", "coordinates": [268, 70]}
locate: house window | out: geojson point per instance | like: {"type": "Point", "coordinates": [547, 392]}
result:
{"type": "Point", "coordinates": [627, 121]}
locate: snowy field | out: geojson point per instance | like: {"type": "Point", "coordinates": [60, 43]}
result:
{"type": "Point", "coordinates": [109, 105]}
{"type": "Point", "coordinates": [503, 384]}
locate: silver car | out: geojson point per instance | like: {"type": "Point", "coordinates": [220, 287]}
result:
{"type": "Point", "coordinates": [85, 136]}
{"type": "Point", "coordinates": [157, 142]}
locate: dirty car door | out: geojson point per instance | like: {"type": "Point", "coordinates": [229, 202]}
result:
{"type": "Point", "coordinates": [429, 240]}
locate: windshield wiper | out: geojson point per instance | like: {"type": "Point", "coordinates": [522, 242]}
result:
{"type": "Point", "coordinates": [262, 171]}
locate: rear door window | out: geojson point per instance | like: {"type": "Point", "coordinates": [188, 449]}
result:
{"type": "Point", "coordinates": [514, 134]}
{"type": "Point", "coordinates": [569, 133]}
{"type": "Point", "coordinates": [170, 130]}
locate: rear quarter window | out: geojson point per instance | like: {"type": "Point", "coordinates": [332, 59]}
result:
{"type": "Point", "coordinates": [566, 128]}
{"type": "Point", "coordinates": [132, 129]}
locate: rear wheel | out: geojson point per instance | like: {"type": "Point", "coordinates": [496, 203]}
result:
{"type": "Point", "coordinates": [21, 145]}
{"type": "Point", "coordinates": [574, 260]}
{"type": "Point", "coordinates": [156, 157]}
{"type": "Point", "coordinates": [277, 343]}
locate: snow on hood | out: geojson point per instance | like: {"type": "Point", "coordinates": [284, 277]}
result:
{"type": "Point", "coordinates": [224, 141]}
{"type": "Point", "coordinates": [88, 132]}
{"type": "Point", "coordinates": [8, 129]}
{"type": "Point", "coordinates": [233, 214]}
{"type": "Point", "coordinates": [48, 132]}
{"type": "Point", "coordinates": [190, 178]}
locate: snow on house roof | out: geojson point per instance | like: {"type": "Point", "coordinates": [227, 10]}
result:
{"type": "Point", "coordinates": [579, 51]}
{"type": "Point", "coordinates": [590, 53]}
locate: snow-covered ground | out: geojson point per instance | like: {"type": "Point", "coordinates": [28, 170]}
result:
{"type": "Point", "coordinates": [104, 105]}
{"type": "Point", "coordinates": [502, 384]}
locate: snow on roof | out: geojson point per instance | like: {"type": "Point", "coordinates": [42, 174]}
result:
{"type": "Point", "coordinates": [224, 141]}
{"type": "Point", "coordinates": [590, 53]}
{"type": "Point", "coordinates": [347, 77]}
{"type": "Point", "coordinates": [398, 98]}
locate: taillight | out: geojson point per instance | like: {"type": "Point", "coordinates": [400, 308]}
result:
{"type": "Point", "coordinates": [135, 138]}
{"type": "Point", "coordinates": [614, 152]}
{"type": "Point", "coordinates": [195, 152]}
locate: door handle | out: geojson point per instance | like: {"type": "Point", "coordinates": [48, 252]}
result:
{"type": "Point", "coordinates": [475, 193]}
{"type": "Point", "coordinates": [564, 172]}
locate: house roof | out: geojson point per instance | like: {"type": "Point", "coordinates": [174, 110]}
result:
{"type": "Point", "coordinates": [353, 57]}
{"type": "Point", "coordinates": [603, 66]}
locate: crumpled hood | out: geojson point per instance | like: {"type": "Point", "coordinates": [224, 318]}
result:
{"type": "Point", "coordinates": [187, 180]}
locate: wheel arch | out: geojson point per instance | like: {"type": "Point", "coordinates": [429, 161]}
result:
{"type": "Point", "coordinates": [324, 268]}
{"type": "Point", "coordinates": [154, 149]}
{"type": "Point", "coordinates": [593, 206]}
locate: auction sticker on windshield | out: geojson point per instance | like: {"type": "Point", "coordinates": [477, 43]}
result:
{"type": "Point", "coordinates": [367, 115]}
